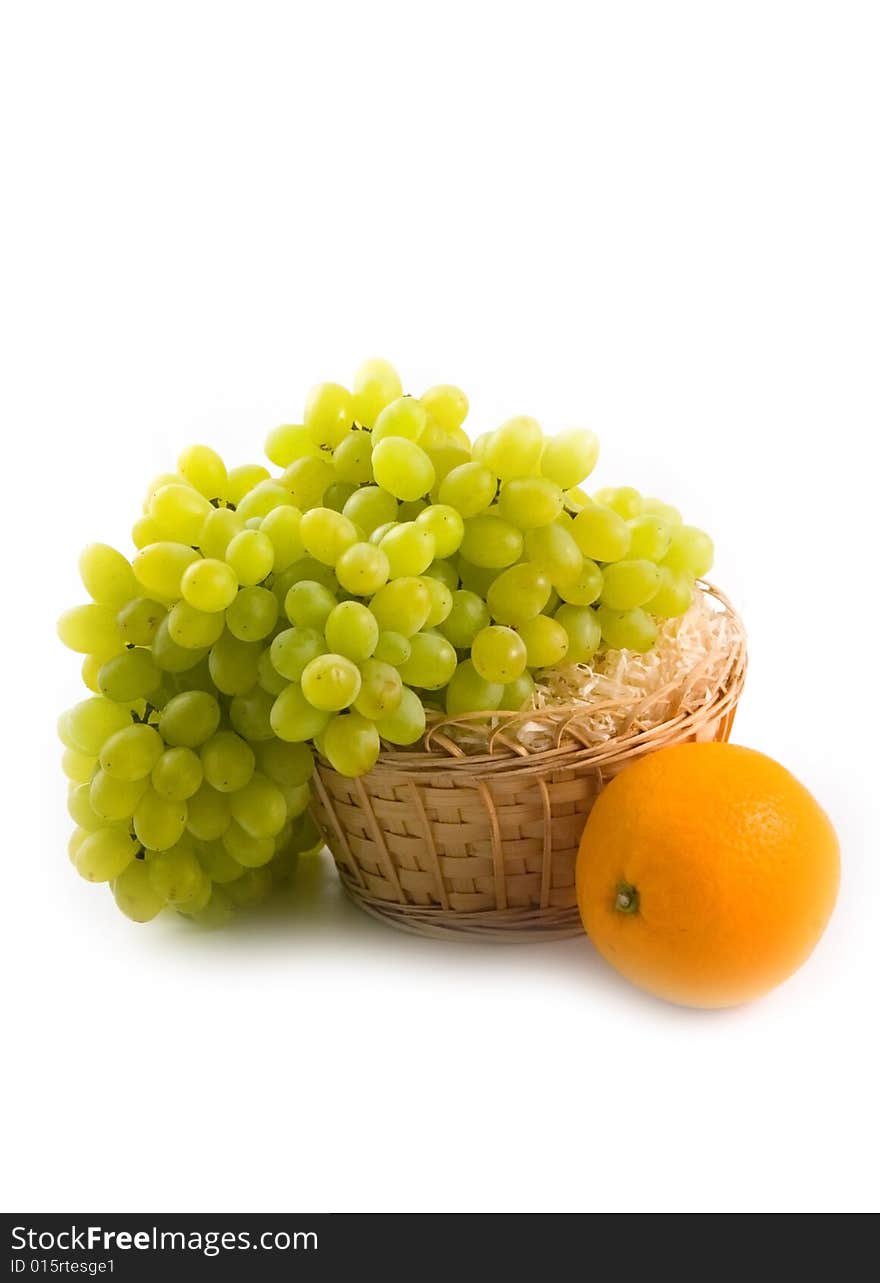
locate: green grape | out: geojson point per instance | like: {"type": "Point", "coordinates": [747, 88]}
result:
{"type": "Point", "coordinates": [576, 500]}
{"type": "Point", "coordinates": [446, 404]}
{"type": "Point", "coordinates": [351, 630]}
{"type": "Point", "coordinates": [530, 502]}
{"type": "Point", "coordinates": [441, 601]}
{"type": "Point", "coordinates": [193, 629]}
{"type": "Point", "coordinates": [601, 533]}
{"type": "Point", "coordinates": [207, 814]}
{"type": "Point", "coordinates": [330, 682]}
{"type": "Point", "coordinates": [377, 535]}
{"type": "Point", "coordinates": [129, 676]}
{"type": "Point", "coordinates": [135, 895]}
{"type": "Point", "coordinates": [203, 468]}
{"type": "Point", "coordinates": [404, 417]}
{"type": "Point", "coordinates": [294, 719]}
{"type": "Point", "coordinates": [242, 479]}
{"type": "Point", "coordinates": [189, 719]}
{"type": "Point", "coordinates": [251, 556]}
{"type": "Point", "coordinates": [308, 604]}
{"type": "Point", "coordinates": [326, 534]}
{"type": "Point", "coordinates": [90, 668]}
{"type": "Point", "coordinates": [306, 837]}
{"type": "Point", "coordinates": [351, 744]}
{"type": "Point", "coordinates": [91, 630]}
{"type": "Point", "coordinates": [407, 724]}
{"type": "Point", "coordinates": [491, 542]}
{"type": "Point", "coordinates": [337, 495]}
{"type": "Point", "coordinates": [569, 457]}
{"type": "Point", "coordinates": [104, 854]}
{"type": "Point", "coordinates": [380, 692]}
{"type": "Point", "coordinates": [409, 549]}
{"type": "Point", "coordinates": [627, 629]}
{"type": "Point", "coordinates": [179, 511]}
{"type": "Point", "coordinates": [402, 606]}
{"type": "Point", "coordinates": [296, 800]}
{"type": "Point", "coordinates": [329, 413]}
{"type": "Point", "coordinates": [285, 764]}
{"type": "Point", "coordinates": [445, 525]}
{"type": "Point", "coordinates": [665, 511]}
{"type": "Point", "coordinates": [268, 677]}
{"type": "Point", "coordinates": [513, 450]}
{"type": "Point", "coordinates": [158, 822]}
{"type": "Point", "coordinates": [252, 852]}
{"type": "Point", "coordinates": [139, 620]}
{"type": "Point", "coordinates": [288, 442]}
{"type": "Point", "coordinates": [163, 479]}
{"type": "Point", "coordinates": [78, 767]}
{"type": "Point", "coordinates": [308, 480]}
{"type": "Point", "coordinates": [292, 649]}
{"type": "Point", "coordinates": [218, 864]}
{"type": "Point", "coordinates": [376, 384]}
{"type": "Point", "coordinates": [498, 654]}
{"type": "Point", "coordinates": [546, 641]}
{"type": "Point", "coordinates": [627, 584]}
{"type": "Point", "coordinates": [144, 532]}
{"type": "Point", "coordinates": [553, 548]}
{"type": "Point", "coordinates": [130, 754]}
{"type": "Point", "coordinates": [674, 594]}
{"type": "Point", "coordinates": [159, 568]}
{"type": "Point", "coordinates": [250, 714]}
{"type": "Point", "coordinates": [468, 616]}
{"type": "Point", "coordinates": [650, 538]}
{"type": "Point", "coordinates": [445, 571]}
{"type": "Point", "coordinates": [114, 799]}
{"type": "Point", "coordinates": [468, 692]}
{"type": "Point", "coordinates": [263, 499]}
{"type": "Point", "coordinates": [623, 500]}
{"type": "Point", "coordinates": [87, 725]}
{"type": "Point", "coordinates": [518, 593]}
{"type": "Point", "coordinates": [281, 527]}
{"type": "Point", "coordinates": [369, 507]}
{"type": "Point", "coordinates": [518, 694]}
{"type": "Point", "coordinates": [402, 468]}
{"type": "Point", "coordinates": [431, 663]}
{"type": "Point", "coordinates": [175, 873]}
{"type": "Point", "coordinates": [196, 906]}
{"type": "Point", "coordinates": [107, 576]}
{"type": "Point", "coordinates": [583, 590]}
{"type": "Point", "coordinates": [259, 807]}
{"type": "Point", "coordinates": [250, 889]}
{"type": "Point", "coordinates": [172, 658]}
{"type": "Point", "coordinates": [477, 579]}
{"type": "Point", "coordinates": [392, 648]}
{"type": "Point", "coordinates": [446, 450]}
{"type": "Point", "coordinates": [228, 761]}
{"type": "Point", "coordinates": [352, 458]}
{"type": "Point", "coordinates": [177, 774]}
{"type": "Point", "coordinates": [584, 632]}
{"type": "Point", "coordinates": [252, 615]}
{"type": "Point", "coordinates": [690, 550]}
{"type": "Point", "coordinates": [469, 488]}
{"type": "Point", "coordinates": [80, 809]}
{"type": "Point", "coordinates": [233, 664]}
{"type": "Point", "coordinates": [362, 569]}
{"type": "Point", "coordinates": [220, 528]}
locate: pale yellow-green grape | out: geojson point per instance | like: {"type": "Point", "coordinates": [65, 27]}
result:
{"type": "Point", "coordinates": [331, 682]}
{"type": "Point", "coordinates": [288, 442]}
{"type": "Point", "coordinates": [553, 548]}
{"type": "Point", "coordinates": [194, 629]}
{"type": "Point", "coordinates": [411, 508]}
{"type": "Point", "coordinates": [107, 575]}
{"type": "Point", "coordinates": [445, 525]}
{"type": "Point", "coordinates": [690, 550]}
{"type": "Point", "coordinates": [468, 616]}
{"type": "Point", "coordinates": [242, 479]}
{"type": "Point", "coordinates": [138, 621]}
{"type": "Point", "coordinates": [392, 648]}
{"type": "Point", "coordinates": [585, 589]}
{"type": "Point", "coordinates": [446, 450]}
{"type": "Point", "coordinates": [171, 657]}
{"type": "Point", "coordinates": [529, 502]}
{"type": "Point", "coordinates": [576, 500]}
{"type": "Point", "coordinates": [518, 593]}
{"type": "Point", "coordinates": [584, 632]}
{"type": "Point", "coordinates": [650, 537]}
{"type": "Point", "coordinates": [469, 489]}
{"type": "Point", "coordinates": [296, 800]}
{"type": "Point", "coordinates": [180, 512]}
{"type": "Point", "coordinates": [409, 548]}
{"type": "Point", "coordinates": [220, 528]}
{"type": "Point", "coordinates": [163, 479]}
{"type": "Point", "coordinates": [233, 664]}
{"type": "Point", "coordinates": [91, 630]}
{"type": "Point", "coordinates": [90, 668]}
{"type": "Point", "coordinates": [251, 556]}
{"type": "Point", "coordinates": [404, 417]}
{"type": "Point", "coordinates": [329, 413]}
{"type": "Point", "coordinates": [402, 606]}
{"type": "Point", "coordinates": [189, 719]}
{"type": "Point", "coordinates": [293, 648]}
{"type": "Point", "coordinates": [601, 533]}
{"type": "Point", "coordinates": [337, 495]}
{"type": "Point", "coordinates": [259, 807]}
{"type": "Point", "coordinates": [217, 863]}
{"type": "Point", "coordinates": [253, 614]}
{"type": "Point", "coordinates": [159, 568]}
{"type": "Point", "coordinates": [491, 542]}
{"type": "Point", "coordinates": [370, 507]}
{"type": "Point", "coordinates": [306, 568]}
{"type": "Point", "coordinates": [546, 641]}
{"type": "Point", "coordinates": [376, 384]}
{"type": "Point", "coordinates": [402, 468]}
{"type": "Point", "coordinates": [674, 594]}
{"type": "Point", "coordinates": [203, 468]}
{"type": "Point", "coordinates": [351, 630]}
{"type": "Point", "coordinates": [130, 676]}
{"type": "Point", "coordinates": [431, 662]}
{"type": "Point", "coordinates": [87, 725]}
{"type": "Point", "coordinates": [627, 629]}
{"type": "Point", "coordinates": [307, 480]}
{"type": "Point", "coordinates": [144, 532]}
{"type": "Point", "coordinates": [326, 534]}
{"type": "Point", "coordinates": [250, 889]}
{"type": "Point", "coordinates": [498, 654]}
{"type": "Point", "coordinates": [269, 679]}
{"type": "Point", "coordinates": [286, 764]}
{"type": "Point", "coordinates": [665, 511]}
{"type": "Point", "coordinates": [623, 500]}
{"type": "Point", "coordinates": [209, 585]}
{"type": "Point", "coordinates": [627, 584]}
{"type": "Point", "coordinates": [131, 753]}
{"type": "Point", "coordinates": [281, 527]}
{"type": "Point", "coordinates": [406, 724]}
{"type": "Point", "coordinates": [518, 694]}
{"type": "Point", "coordinates": [352, 457]}
{"type": "Point", "coordinates": [135, 895]}
{"type": "Point", "coordinates": [158, 822]}
{"type": "Point", "coordinates": [569, 457]}
{"type": "Point", "coordinates": [177, 774]}
{"type": "Point", "coordinates": [477, 579]}
{"type": "Point", "coordinates": [263, 499]}
{"type": "Point", "coordinates": [252, 852]}
{"type": "Point", "coordinates": [363, 569]}
{"type": "Point", "coordinates": [294, 719]}
{"type": "Point", "coordinates": [78, 767]}
{"type": "Point", "coordinates": [468, 692]}
{"type": "Point", "coordinates": [445, 571]}
{"type": "Point", "coordinates": [207, 814]}
{"type": "Point", "coordinates": [250, 715]}
{"type": "Point", "coordinates": [104, 854]}
{"type": "Point", "coordinates": [446, 404]}
{"type": "Point", "coordinates": [351, 744]}
{"type": "Point", "coordinates": [80, 809]}
{"type": "Point", "coordinates": [514, 449]}
{"type": "Point", "coordinates": [175, 872]}
{"type": "Point", "coordinates": [377, 535]}
{"type": "Point", "coordinates": [228, 761]}
{"type": "Point", "coordinates": [309, 603]}
{"type": "Point", "coordinates": [381, 690]}
{"type": "Point", "coordinates": [441, 601]}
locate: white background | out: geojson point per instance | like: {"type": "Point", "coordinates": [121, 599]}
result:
{"type": "Point", "coordinates": [657, 220]}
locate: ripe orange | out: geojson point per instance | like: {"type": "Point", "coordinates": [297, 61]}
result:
{"type": "Point", "coordinates": [706, 874]}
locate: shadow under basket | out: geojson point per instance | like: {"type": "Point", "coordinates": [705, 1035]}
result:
{"type": "Point", "coordinates": [448, 841]}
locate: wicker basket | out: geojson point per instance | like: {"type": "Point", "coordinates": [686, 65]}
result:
{"type": "Point", "coordinates": [442, 843]}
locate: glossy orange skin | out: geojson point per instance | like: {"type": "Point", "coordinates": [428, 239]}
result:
{"type": "Point", "coordinates": [734, 864]}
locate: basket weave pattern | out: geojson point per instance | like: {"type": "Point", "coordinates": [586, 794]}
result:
{"type": "Point", "coordinates": [440, 842]}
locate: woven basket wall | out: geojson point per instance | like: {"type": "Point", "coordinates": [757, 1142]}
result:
{"type": "Point", "coordinates": [439, 842]}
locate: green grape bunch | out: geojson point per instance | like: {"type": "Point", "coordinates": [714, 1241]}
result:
{"type": "Point", "coordinates": [390, 569]}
